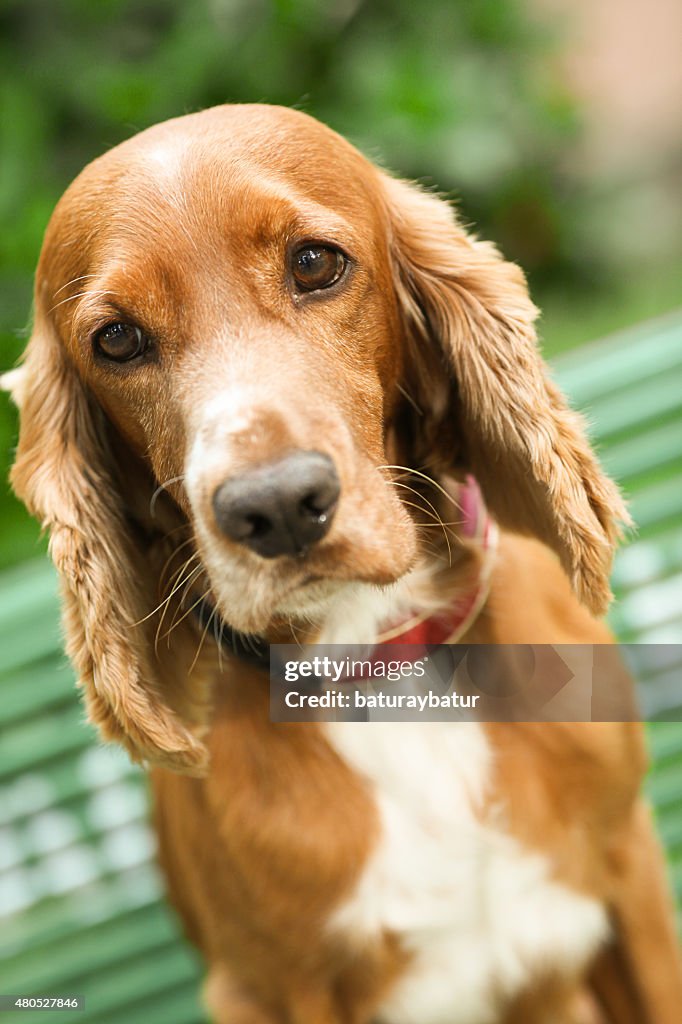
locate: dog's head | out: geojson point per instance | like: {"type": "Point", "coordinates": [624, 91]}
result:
{"type": "Point", "coordinates": [241, 326]}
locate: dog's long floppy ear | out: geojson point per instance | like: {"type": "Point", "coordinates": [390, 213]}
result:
{"type": "Point", "coordinates": [62, 473]}
{"type": "Point", "coordinates": [527, 449]}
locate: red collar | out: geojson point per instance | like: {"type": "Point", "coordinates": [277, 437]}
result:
{"type": "Point", "coordinates": [450, 624]}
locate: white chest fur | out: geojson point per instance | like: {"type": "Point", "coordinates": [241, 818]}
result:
{"type": "Point", "coordinates": [479, 914]}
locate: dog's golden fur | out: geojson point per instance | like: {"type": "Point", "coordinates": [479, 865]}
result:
{"type": "Point", "coordinates": [424, 357]}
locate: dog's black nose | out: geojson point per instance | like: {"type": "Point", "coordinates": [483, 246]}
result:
{"type": "Point", "coordinates": [281, 508]}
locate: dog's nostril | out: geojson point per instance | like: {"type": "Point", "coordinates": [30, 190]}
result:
{"type": "Point", "coordinates": [282, 508]}
{"type": "Point", "coordinates": [318, 504]}
{"type": "Point", "coordinates": [256, 526]}
{"type": "Point", "coordinates": [309, 505]}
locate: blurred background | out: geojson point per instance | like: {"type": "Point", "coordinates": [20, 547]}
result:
{"type": "Point", "coordinates": [556, 126]}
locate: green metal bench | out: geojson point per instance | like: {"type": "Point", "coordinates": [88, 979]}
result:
{"type": "Point", "coordinates": [78, 887]}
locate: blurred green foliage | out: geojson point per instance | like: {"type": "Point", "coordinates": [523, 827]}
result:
{"type": "Point", "coordinates": [455, 94]}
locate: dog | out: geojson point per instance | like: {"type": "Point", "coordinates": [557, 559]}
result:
{"type": "Point", "coordinates": [275, 391]}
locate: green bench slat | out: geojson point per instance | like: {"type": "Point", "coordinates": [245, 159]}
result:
{"type": "Point", "coordinates": [657, 507]}
{"type": "Point", "coordinates": [31, 640]}
{"type": "Point", "coordinates": [621, 360]}
{"type": "Point", "coordinates": [642, 406]}
{"type": "Point", "coordinates": [126, 987]}
{"type": "Point", "coordinates": [40, 740]}
{"type": "Point", "coordinates": [35, 688]}
{"type": "Point", "coordinates": [104, 897]}
{"type": "Point", "coordinates": [671, 831]}
{"type": "Point", "coordinates": [60, 962]}
{"type": "Point", "coordinates": [642, 454]}
{"type": "Point", "coordinates": [665, 742]}
{"type": "Point", "coordinates": [120, 986]}
{"type": "Point", "coordinates": [25, 589]}
{"type": "Point", "coordinates": [647, 560]}
{"type": "Point", "coordinates": [172, 1006]}
{"type": "Point", "coordinates": [73, 792]}
{"type": "Point", "coordinates": [655, 604]}
{"type": "Point", "coordinates": [70, 779]}
{"type": "Point", "coordinates": [665, 787]}
{"type": "Point", "coordinates": [75, 835]}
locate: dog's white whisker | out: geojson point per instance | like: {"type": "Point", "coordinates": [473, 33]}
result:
{"type": "Point", "coordinates": [80, 295]}
{"type": "Point", "coordinates": [74, 280]}
{"type": "Point", "coordinates": [428, 479]}
{"type": "Point", "coordinates": [434, 513]}
{"type": "Point", "coordinates": [161, 488]}
{"type": "Point", "coordinates": [203, 635]}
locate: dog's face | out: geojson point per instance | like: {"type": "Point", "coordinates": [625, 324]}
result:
{"type": "Point", "coordinates": [229, 303]}
{"type": "Point", "coordinates": [239, 308]}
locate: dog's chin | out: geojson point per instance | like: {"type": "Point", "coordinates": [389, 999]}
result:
{"type": "Point", "coordinates": [256, 609]}
{"type": "Point", "coordinates": [255, 595]}
{"type": "Point", "coordinates": [311, 600]}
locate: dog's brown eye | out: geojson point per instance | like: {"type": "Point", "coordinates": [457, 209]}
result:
{"type": "Point", "coordinates": [120, 342]}
{"type": "Point", "coordinates": [317, 266]}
